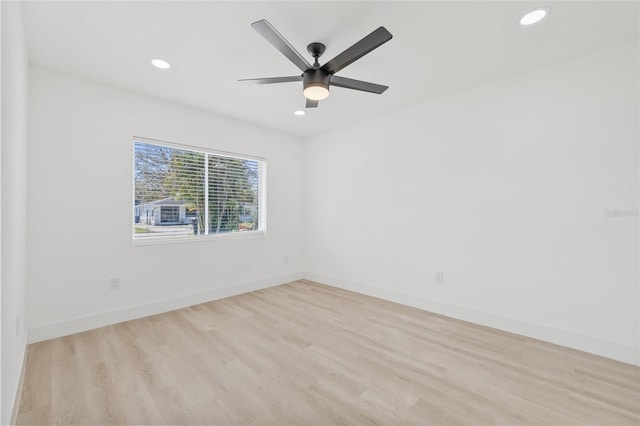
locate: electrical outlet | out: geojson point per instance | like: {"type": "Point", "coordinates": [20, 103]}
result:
{"type": "Point", "coordinates": [439, 277]}
{"type": "Point", "coordinates": [114, 284]}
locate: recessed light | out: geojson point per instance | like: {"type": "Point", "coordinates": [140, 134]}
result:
{"type": "Point", "coordinates": [299, 112]}
{"type": "Point", "coordinates": [159, 63]}
{"type": "Point", "coordinates": [534, 16]}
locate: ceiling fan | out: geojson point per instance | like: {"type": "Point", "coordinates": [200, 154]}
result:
{"type": "Point", "coordinates": [316, 79]}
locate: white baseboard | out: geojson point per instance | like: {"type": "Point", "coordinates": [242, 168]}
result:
{"type": "Point", "coordinates": [79, 324]}
{"type": "Point", "coordinates": [613, 350]}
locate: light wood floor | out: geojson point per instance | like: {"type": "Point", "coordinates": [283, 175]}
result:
{"type": "Point", "coordinates": [304, 353]}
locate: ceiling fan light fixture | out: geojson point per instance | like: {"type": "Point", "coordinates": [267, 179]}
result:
{"type": "Point", "coordinates": [315, 84]}
{"type": "Point", "coordinates": [316, 92]}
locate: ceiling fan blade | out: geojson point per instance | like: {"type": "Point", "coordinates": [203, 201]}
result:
{"type": "Point", "coordinates": [350, 83]}
{"type": "Point", "coordinates": [271, 80]}
{"type": "Point", "coordinates": [377, 38]}
{"type": "Point", "coordinates": [267, 31]}
{"type": "Point", "coordinates": [312, 103]}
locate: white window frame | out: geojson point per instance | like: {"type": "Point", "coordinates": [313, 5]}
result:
{"type": "Point", "coordinates": [169, 239]}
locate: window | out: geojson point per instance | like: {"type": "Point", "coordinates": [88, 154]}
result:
{"type": "Point", "coordinates": [190, 193]}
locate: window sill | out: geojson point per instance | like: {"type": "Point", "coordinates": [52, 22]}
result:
{"type": "Point", "coordinates": [150, 241]}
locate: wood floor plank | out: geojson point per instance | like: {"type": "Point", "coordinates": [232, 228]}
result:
{"type": "Point", "coordinates": [305, 353]}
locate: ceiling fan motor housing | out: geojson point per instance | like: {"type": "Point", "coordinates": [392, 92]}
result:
{"type": "Point", "coordinates": [316, 84]}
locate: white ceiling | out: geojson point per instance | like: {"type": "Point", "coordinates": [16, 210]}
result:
{"type": "Point", "coordinates": [437, 48]}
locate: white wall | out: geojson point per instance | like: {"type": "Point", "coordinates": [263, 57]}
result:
{"type": "Point", "coordinates": [14, 202]}
{"type": "Point", "coordinates": [80, 209]}
{"type": "Point", "coordinates": [504, 188]}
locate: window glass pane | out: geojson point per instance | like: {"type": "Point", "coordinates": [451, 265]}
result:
{"type": "Point", "coordinates": [169, 191]}
{"type": "Point", "coordinates": [233, 194]}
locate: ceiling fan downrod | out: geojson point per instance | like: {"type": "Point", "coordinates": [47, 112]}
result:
{"type": "Point", "coordinates": [316, 50]}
